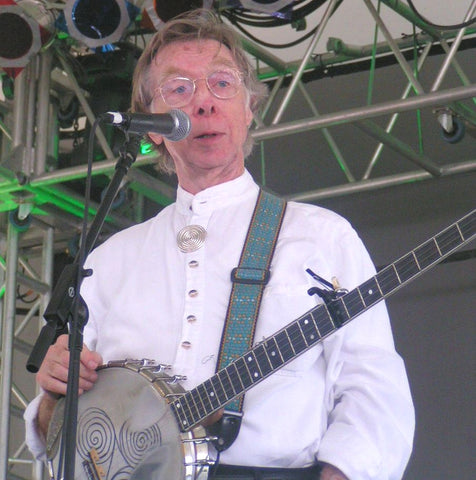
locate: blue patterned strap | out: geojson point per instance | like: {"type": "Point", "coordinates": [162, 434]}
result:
{"type": "Point", "coordinates": [249, 280]}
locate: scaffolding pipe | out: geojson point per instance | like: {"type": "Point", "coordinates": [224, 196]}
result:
{"type": "Point", "coordinates": [7, 345]}
{"type": "Point", "coordinates": [453, 50]}
{"type": "Point", "coordinates": [302, 66]}
{"type": "Point", "coordinates": [42, 114]}
{"type": "Point", "coordinates": [361, 113]}
{"type": "Point", "coordinates": [379, 183]}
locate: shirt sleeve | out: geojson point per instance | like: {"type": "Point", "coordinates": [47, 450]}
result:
{"type": "Point", "coordinates": [371, 414]}
{"type": "Point", "coordinates": [33, 438]}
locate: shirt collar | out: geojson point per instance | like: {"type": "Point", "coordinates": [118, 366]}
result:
{"type": "Point", "coordinates": [221, 195]}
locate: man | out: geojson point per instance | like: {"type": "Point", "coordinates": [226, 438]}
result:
{"type": "Point", "coordinates": [345, 404]}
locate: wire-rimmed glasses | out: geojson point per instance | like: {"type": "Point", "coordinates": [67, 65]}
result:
{"type": "Point", "coordinates": [178, 91]}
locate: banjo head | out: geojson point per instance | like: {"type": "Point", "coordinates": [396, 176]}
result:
{"type": "Point", "coordinates": [126, 430]}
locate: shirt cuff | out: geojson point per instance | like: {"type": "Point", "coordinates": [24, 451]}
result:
{"type": "Point", "coordinates": [33, 438]}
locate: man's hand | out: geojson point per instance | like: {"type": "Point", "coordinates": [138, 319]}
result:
{"type": "Point", "coordinates": [53, 377]}
{"type": "Point", "coordinates": [329, 472]}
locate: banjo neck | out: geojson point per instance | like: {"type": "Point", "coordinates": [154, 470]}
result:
{"type": "Point", "coordinates": [274, 352]}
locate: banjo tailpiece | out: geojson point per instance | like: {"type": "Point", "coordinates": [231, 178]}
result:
{"type": "Point", "coordinates": [225, 430]}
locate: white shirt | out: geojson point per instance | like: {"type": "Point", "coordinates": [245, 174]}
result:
{"type": "Point", "coordinates": [346, 401]}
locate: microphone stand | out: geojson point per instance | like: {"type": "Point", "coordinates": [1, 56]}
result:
{"type": "Point", "coordinates": [67, 306]}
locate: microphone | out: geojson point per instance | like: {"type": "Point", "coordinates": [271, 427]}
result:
{"type": "Point", "coordinates": [174, 125]}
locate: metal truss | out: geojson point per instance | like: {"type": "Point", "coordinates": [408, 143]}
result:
{"type": "Point", "coordinates": [41, 213]}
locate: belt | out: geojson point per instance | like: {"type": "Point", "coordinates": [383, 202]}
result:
{"type": "Point", "coordinates": [234, 472]}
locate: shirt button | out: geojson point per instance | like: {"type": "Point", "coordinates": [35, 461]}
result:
{"type": "Point", "coordinates": [193, 293]}
{"type": "Point", "coordinates": [191, 318]}
{"type": "Point", "coordinates": [186, 345]}
{"type": "Point", "coordinates": [193, 264]}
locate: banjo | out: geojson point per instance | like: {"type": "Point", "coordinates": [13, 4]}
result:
{"type": "Point", "coordinates": [139, 423]}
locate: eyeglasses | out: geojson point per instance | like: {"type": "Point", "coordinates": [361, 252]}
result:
{"type": "Point", "coordinates": [178, 91]}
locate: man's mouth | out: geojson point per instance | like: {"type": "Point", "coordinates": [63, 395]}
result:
{"type": "Point", "coordinates": [206, 135]}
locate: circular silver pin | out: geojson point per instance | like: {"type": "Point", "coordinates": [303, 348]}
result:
{"type": "Point", "coordinates": [191, 238]}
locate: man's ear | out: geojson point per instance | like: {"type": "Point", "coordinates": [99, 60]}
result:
{"type": "Point", "coordinates": [156, 138]}
{"type": "Point", "coordinates": [248, 115]}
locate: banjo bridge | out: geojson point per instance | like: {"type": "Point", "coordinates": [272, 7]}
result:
{"type": "Point", "coordinates": [92, 468]}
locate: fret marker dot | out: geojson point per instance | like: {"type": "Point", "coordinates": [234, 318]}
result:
{"type": "Point", "coordinates": [306, 322]}
{"type": "Point", "coordinates": [177, 405]}
{"type": "Point", "coordinates": [256, 375]}
{"type": "Point", "coordinates": [212, 394]}
{"type": "Point", "coordinates": [249, 359]}
{"type": "Point", "coordinates": [312, 337]}
{"type": "Point", "coordinates": [371, 291]}
{"type": "Point", "coordinates": [273, 353]}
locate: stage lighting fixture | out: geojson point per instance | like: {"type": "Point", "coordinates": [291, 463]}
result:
{"type": "Point", "coordinates": [98, 22]}
{"type": "Point", "coordinates": [21, 37]}
{"type": "Point", "coordinates": [266, 6]}
{"type": "Point", "coordinates": [166, 9]}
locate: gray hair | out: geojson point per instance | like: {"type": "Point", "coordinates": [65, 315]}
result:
{"type": "Point", "coordinates": [194, 25]}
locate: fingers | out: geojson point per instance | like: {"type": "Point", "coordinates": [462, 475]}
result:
{"type": "Point", "coordinates": [53, 373]}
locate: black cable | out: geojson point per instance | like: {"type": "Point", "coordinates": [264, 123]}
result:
{"type": "Point", "coordinates": [264, 20]}
{"type": "Point", "coordinates": [458, 26]}
{"type": "Point", "coordinates": [273, 45]}
{"type": "Point", "coordinates": [236, 19]}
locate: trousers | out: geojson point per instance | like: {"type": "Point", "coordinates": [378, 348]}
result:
{"type": "Point", "coordinates": [233, 472]}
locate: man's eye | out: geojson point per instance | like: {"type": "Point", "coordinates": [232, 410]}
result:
{"type": "Point", "coordinates": [222, 83]}
{"type": "Point", "coordinates": [180, 89]}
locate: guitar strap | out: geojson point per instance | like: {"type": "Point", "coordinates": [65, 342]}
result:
{"type": "Point", "coordinates": [249, 280]}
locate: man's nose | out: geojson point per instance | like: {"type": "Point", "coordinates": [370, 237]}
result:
{"type": "Point", "coordinates": [203, 99]}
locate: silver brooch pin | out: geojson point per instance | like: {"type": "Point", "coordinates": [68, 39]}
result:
{"type": "Point", "coordinates": [191, 238]}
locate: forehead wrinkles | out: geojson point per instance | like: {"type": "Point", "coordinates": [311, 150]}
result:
{"type": "Point", "coordinates": [221, 57]}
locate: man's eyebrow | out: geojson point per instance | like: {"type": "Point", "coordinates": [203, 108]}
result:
{"type": "Point", "coordinates": [176, 72]}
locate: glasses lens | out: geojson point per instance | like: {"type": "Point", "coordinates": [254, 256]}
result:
{"type": "Point", "coordinates": [177, 91]}
{"type": "Point", "coordinates": [224, 83]}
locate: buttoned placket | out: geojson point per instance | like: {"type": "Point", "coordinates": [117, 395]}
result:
{"type": "Point", "coordinates": [194, 291]}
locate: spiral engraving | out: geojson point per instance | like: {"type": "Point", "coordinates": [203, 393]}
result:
{"type": "Point", "coordinates": [122, 474]}
{"type": "Point", "coordinates": [96, 431]}
{"type": "Point", "coordinates": [134, 444]}
{"type": "Point", "coordinates": [191, 238]}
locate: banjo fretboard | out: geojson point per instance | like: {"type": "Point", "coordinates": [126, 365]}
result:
{"type": "Point", "coordinates": [316, 324]}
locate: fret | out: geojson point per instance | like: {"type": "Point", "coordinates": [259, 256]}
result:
{"type": "Point", "coordinates": [427, 254]}
{"type": "Point", "coordinates": [253, 366]}
{"type": "Point", "coordinates": [262, 359]}
{"type": "Point", "coordinates": [180, 414]}
{"type": "Point", "coordinates": [208, 400]}
{"type": "Point", "coordinates": [234, 375]}
{"type": "Point", "coordinates": [309, 329]}
{"type": "Point", "coordinates": [243, 372]}
{"type": "Point", "coordinates": [416, 260]}
{"type": "Point", "coordinates": [202, 411]}
{"type": "Point", "coordinates": [226, 382]}
{"type": "Point", "coordinates": [218, 387]}
{"type": "Point", "coordinates": [467, 225]}
{"type": "Point", "coordinates": [370, 292]}
{"type": "Point", "coordinates": [406, 267]}
{"type": "Point", "coordinates": [448, 239]}
{"type": "Point", "coordinates": [274, 354]}
{"type": "Point", "coordinates": [323, 320]}
{"type": "Point", "coordinates": [211, 393]}
{"type": "Point", "coordinates": [298, 341]}
{"type": "Point", "coordinates": [353, 302]}
{"type": "Point", "coordinates": [339, 311]}
{"type": "Point", "coordinates": [302, 333]}
{"type": "Point", "coordinates": [284, 345]}
{"type": "Point", "coordinates": [190, 413]}
{"type": "Point", "coordinates": [314, 319]}
{"type": "Point", "coordinates": [388, 279]}
{"type": "Point", "coordinates": [194, 413]}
